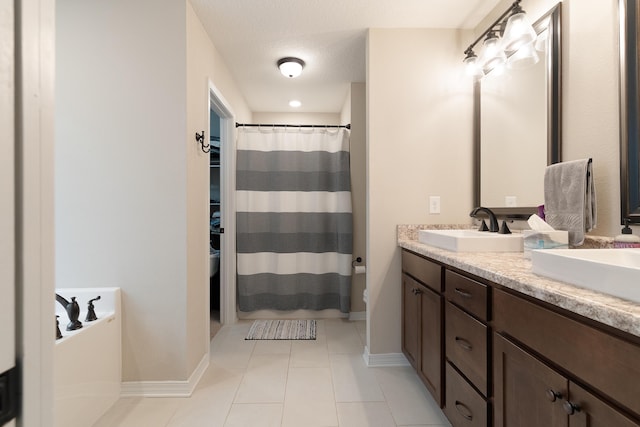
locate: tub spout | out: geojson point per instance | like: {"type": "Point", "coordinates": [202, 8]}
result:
{"type": "Point", "coordinates": [73, 311]}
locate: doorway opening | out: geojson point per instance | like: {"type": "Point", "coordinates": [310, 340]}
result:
{"type": "Point", "coordinates": [222, 228]}
{"type": "Point", "coordinates": [215, 229]}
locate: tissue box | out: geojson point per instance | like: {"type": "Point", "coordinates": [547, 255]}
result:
{"type": "Point", "coordinates": [544, 240]}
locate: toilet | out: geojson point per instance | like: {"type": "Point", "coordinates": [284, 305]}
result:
{"type": "Point", "coordinates": [214, 262]}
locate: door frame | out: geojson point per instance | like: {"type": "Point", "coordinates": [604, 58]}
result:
{"type": "Point", "coordinates": [217, 103]}
{"type": "Point", "coordinates": [34, 133]}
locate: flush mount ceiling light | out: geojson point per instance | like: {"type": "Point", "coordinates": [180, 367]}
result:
{"type": "Point", "coordinates": [290, 67]}
{"type": "Point", "coordinates": [517, 32]}
{"type": "Point", "coordinates": [295, 103]}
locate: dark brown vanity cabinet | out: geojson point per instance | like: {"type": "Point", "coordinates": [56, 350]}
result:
{"type": "Point", "coordinates": [494, 357]}
{"type": "Point", "coordinates": [525, 385]}
{"type": "Point", "coordinates": [422, 320]}
{"type": "Point", "coordinates": [529, 339]}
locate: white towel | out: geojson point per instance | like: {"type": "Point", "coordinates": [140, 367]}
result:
{"type": "Point", "coordinates": [570, 198]}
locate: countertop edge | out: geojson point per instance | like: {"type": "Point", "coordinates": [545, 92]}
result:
{"type": "Point", "coordinates": [513, 271]}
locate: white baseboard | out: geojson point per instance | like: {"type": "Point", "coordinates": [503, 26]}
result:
{"type": "Point", "coordinates": [384, 359]}
{"type": "Point", "coordinates": [166, 388]}
{"type": "Point", "coordinates": [358, 315]}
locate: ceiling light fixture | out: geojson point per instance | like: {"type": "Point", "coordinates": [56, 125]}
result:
{"type": "Point", "coordinates": [516, 31]}
{"type": "Point", "coordinates": [295, 103]}
{"type": "Point", "coordinates": [290, 67]}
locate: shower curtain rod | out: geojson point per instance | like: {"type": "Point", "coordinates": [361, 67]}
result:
{"type": "Point", "coordinates": [348, 126]}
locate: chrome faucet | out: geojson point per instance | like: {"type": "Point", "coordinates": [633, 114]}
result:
{"type": "Point", "coordinates": [493, 221]}
{"type": "Point", "coordinates": [73, 311]}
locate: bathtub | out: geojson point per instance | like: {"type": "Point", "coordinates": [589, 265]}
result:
{"type": "Point", "coordinates": [87, 362]}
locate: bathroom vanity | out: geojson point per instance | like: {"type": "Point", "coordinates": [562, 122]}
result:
{"type": "Point", "coordinates": [499, 346]}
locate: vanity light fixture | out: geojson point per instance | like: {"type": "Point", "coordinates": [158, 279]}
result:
{"type": "Point", "coordinates": [291, 67]}
{"type": "Point", "coordinates": [502, 41]}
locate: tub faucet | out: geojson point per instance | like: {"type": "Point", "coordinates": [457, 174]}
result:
{"type": "Point", "coordinates": [493, 221]}
{"type": "Point", "coordinates": [73, 311]}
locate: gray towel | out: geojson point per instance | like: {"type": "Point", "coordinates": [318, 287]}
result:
{"type": "Point", "coordinates": [570, 198]}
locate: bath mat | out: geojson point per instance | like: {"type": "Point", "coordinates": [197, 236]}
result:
{"type": "Point", "coordinates": [282, 330]}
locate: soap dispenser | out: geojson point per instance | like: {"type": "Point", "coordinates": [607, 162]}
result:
{"type": "Point", "coordinates": [627, 239]}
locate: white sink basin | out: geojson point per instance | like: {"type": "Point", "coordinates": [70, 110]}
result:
{"type": "Point", "coordinates": [611, 271]}
{"type": "Point", "coordinates": [471, 240]}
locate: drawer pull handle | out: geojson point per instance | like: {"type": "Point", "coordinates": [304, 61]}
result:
{"type": "Point", "coordinates": [464, 343]}
{"type": "Point", "coordinates": [416, 291]}
{"type": "Point", "coordinates": [463, 293]}
{"type": "Point", "coordinates": [553, 395]}
{"type": "Point", "coordinates": [570, 408]}
{"type": "Point", "coordinates": [464, 410]}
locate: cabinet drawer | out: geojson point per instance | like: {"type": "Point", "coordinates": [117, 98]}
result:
{"type": "Point", "coordinates": [463, 405]}
{"type": "Point", "coordinates": [466, 345]}
{"type": "Point", "coordinates": [606, 363]}
{"type": "Point", "coordinates": [466, 293]}
{"type": "Point", "coordinates": [426, 271]}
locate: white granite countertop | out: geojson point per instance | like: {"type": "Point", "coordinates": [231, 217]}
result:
{"type": "Point", "coordinates": [512, 270]}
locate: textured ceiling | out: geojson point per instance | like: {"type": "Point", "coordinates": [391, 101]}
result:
{"type": "Point", "coordinates": [329, 35]}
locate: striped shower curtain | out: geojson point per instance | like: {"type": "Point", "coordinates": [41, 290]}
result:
{"type": "Point", "coordinates": [294, 220]}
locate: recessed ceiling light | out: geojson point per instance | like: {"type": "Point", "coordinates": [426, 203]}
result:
{"type": "Point", "coordinates": [291, 67]}
{"type": "Point", "coordinates": [295, 103]}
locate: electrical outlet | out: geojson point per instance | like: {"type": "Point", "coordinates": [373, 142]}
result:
{"type": "Point", "coordinates": [510, 201]}
{"type": "Point", "coordinates": [434, 204]}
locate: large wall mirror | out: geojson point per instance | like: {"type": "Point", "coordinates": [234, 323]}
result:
{"type": "Point", "coordinates": [517, 128]}
{"type": "Point", "coordinates": [629, 111]}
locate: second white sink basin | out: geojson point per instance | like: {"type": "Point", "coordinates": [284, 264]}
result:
{"type": "Point", "coordinates": [611, 271]}
{"type": "Point", "coordinates": [471, 240]}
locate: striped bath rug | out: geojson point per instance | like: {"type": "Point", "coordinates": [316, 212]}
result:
{"type": "Point", "coordinates": [282, 330]}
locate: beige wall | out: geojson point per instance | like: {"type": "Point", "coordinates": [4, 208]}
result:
{"type": "Point", "coordinates": [131, 182]}
{"type": "Point", "coordinates": [121, 170]}
{"type": "Point", "coordinates": [297, 118]}
{"type": "Point", "coordinates": [354, 112]}
{"type": "Point", "coordinates": [204, 65]}
{"type": "Point", "coordinates": [419, 106]}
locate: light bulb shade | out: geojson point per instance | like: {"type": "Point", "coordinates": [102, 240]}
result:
{"type": "Point", "coordinates": [472, 65]}
{"type": "Point", "coordinates": [291, 67]}
{"type": "Point", "coordinates": [518, 32]}
{"type": "Point", "coordinates": [525, 57]}
{"type": "Point", "coordinates": [493, 56]}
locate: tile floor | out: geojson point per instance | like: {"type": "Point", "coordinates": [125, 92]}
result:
{"type": "Point", "coordinates": [289, 383]}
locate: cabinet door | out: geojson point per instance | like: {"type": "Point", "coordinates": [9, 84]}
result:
{"type": "Point", "coordinates": [527, 393]}
{"type": "Point", "coordinates": [431, 342]}
{"type": "Point", "coordinates": [586, 410]}
{"type": "Point", "coordinates": [410, 319]}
